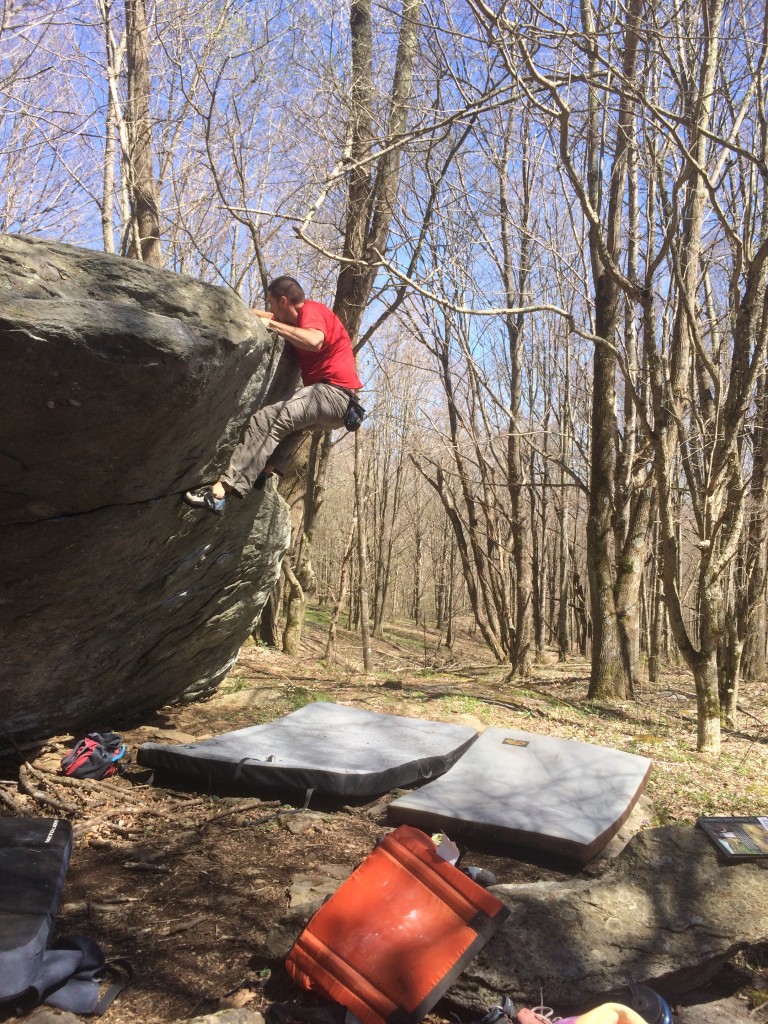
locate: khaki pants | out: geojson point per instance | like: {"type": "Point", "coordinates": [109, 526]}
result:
{"type": "Point", "coordinates": [274, 433]}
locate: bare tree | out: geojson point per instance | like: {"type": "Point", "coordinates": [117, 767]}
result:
{"type": "Point", "coordinates": [372, 191]}
{"type": "Point", "coordinates": [515, 293]}
{"type": "Point", "coordinates": [144, 241]}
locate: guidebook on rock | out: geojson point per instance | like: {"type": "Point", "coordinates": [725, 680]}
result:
{"type": "Point", "coordinates": [739, 838]}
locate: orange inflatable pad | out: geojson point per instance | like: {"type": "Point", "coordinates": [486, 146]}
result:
{"type": "Point", "coordinates": [397, 933]}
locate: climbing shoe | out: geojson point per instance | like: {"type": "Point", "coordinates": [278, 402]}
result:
{"type": "Point", "coordinates": [204, 498]}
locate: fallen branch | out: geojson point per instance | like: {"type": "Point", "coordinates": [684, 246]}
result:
{"type": "Point", "coordinates": [18, 748]}
{"type": "Point", "coordinates": [104, 822]}
{"type": "Point", "coordinates": [438, 692]}
{"type": "Point", "coordinates": [26, 786]}
{"type": "Point", "coordinates": [174, 929]}
{"type": "Point", "coordinates": [184, 926]}
{"type": "Point", "coordinates": [29, 772]}
{"type": "Point", "coordinates": [248, 805]}
{"type": "Point", "coordinates": [277, 815]}
{"type": "Point", "coordinates": [10, 803]}
{"type": "Point", "coordinates": [98, 842]}
{"type": "Point", "coordinates": [126, 833]}
{"type": "Point", "coordinates": [115, 791]}
{"type": "Point", "coordinates": [84, 908]}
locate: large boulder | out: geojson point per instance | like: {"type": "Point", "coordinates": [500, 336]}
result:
{"type": "Point", "coordinates": [123, 386]}
{"type": "Point", "coordinates": [667, 910]}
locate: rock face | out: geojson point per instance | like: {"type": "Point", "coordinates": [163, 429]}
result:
{"type": "Point", "coordinates": [666, 909]}
{"type": "Point", "coordinates": [122, 386]}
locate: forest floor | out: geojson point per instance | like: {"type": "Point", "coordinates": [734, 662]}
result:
{"type": "Point", "coordinates": [188, 885]}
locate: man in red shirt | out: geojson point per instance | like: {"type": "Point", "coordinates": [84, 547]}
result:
{"type": "Point", "coordinates": [324, 353]}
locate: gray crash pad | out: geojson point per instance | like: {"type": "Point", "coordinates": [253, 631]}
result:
{"type": "Point", "coordinates": [540, 792]}
{"type": "Point", "coordinates": [330, 748]}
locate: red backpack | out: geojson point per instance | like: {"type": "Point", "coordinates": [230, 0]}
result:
{"type": "Point", "coordinates": [96, 756]}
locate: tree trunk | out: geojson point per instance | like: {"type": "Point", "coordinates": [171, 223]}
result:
{"type": "Point", "coordinates": [370, 201]}
{"type": "Point", "coordinates": [314, 494]}
{"type": "Point", "coordinates": [417, 572]}
{"type": "Point", "coordinates": [362, 558]}
{"type": "Point", "coordinates": [730, 673]}
{"type": "Point", "coordinates": [563, 618]}
{"type": "Point", "coordinates": [295, 612]}
{"type": "Point", "coordinates": [706, 677]}
{"type": "Point", "coordinates": [657, 625]}
{"type": "Point", "coordinates": [387, 542]}
{"type": "Point", "coordinates": [751, 593]}
{"type": "Point", "coordinates": [754, 661]}
{"type": "Point", "coordinates": [515, 288]}
{"type": "Point", "coordinates": [628, 581]}
{"type": "Point", "coordinates": [608, 676]}
{"type": "Point", "coordinates": [580, 611]}
{"type": "Point", "coordinates": [372, 186]}
{"type": "Point", "coordinates": [268, 631]}
{"type": "Point", "coordinates": [110, 127]}
{"type": "Point", "coordinates": [343, 574]}
{"type": "Point", "coordinates": [440, 586]}
{"type": "Point", "coordinates": [449, 598]}
{"type": "Point", "coordinates": [535, 559]}
{"type": "Point", "coordinates": [142, 186]}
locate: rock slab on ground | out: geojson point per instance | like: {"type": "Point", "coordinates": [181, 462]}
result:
{"type": "Point", "coordinates": [44, 1015]}
{"type": "Point", "coordinates": [666, 909]}
{"type": "Point", "coordinates": [123, 386]}
{"type": "Point", "coordinates": [716, 1011]}
{"type": "Point", "coordinates": [232, 1016]}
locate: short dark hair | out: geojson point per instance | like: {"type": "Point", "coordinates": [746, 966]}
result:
{"type": "Point", "coordinates": [287, 286]}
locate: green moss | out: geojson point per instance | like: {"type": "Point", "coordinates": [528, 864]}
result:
{"type": "Point", "coordinates": [299, 696]}
{"type": "Point", "coordinates": [319, 616]}
{"type": "Point", "coordinates": [234, 684]}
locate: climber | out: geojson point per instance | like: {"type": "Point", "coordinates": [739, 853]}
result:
{"type": "Point", "coordinates": [324, 353]}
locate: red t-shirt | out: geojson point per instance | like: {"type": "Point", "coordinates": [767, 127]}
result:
{"type": "Point", "coordinates": [334, 361]}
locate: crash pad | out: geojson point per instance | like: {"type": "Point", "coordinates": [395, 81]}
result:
{"type": "Point", "coordinates": [520, 789]}
{"type": "Point", "coordinates": [34, 857]}
{"type": "Point", "coordinates": [330, 748]}
{"type": "Point", "coordinates": [397, 933]}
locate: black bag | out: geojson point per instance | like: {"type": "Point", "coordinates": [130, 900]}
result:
{"type": "Point", "coordinates": [70, 974]}
{"type": "Point", "coordinates": [354, 415]}
{"type": "Point", "coordinates": [34, 856]}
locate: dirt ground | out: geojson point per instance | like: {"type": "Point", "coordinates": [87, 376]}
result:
{"type": "Point", "coordinates": [189, 885]}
